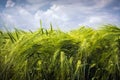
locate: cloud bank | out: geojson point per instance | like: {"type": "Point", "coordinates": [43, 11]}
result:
{"type": "Point", "coordinates": [66, 15]}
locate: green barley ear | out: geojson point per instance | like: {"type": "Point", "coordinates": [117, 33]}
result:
{"type": "Point", "coordinates": [56, 54]}
{"type": "Point", "coordinates": [41, 27]}
{"type": "Point", "coordinates": [62, 58]}
{"type": "Point", "coordinates": [51, 27]}
{"type": "Point", "coordinates": [1, 32]}
{"type": "Point", "coordinates": [12, 38]}
{"type": "Point", "coordinates": [62, 61]}
{"type": "Point", "coordinates": [78, 66]}
{"type": "Point", "coordinates": [31, 31]}
{"type": "Point", "coordinates": [16, 32]}
{"type": "Point", "coordinates": [40, 23]}
{"type": "Point", "coordinates": [39, 65]}
{"type": "Point", "coordinates": [46, 31]}
{"type": "Point", "coordinates": [71, 60]}
{"type": "Point", "coordinates": [78, 74]}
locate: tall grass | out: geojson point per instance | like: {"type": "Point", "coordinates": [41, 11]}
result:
{"type": "Point", "coordinates": [81, 54]}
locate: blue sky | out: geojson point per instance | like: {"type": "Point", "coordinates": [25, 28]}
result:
{"type": "Point", "coordinates": [63, 14]}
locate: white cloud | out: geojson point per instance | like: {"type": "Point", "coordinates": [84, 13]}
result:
{"type": "Point", "coordinates": [55, 15]}
{"type": "Point", "coordinates": [20, 18]}
{"type": "Point", "coordinates": [37, 1]}
{"type": "Point", "coordinates": [116, 8]}
{"type": "Point", "coordinates": [102, 3]}
{"type": "Point", "coordinates": [65, 15]}
{"type": "Point", "coordinates": [35, 5]}
{"type": "Point", "coordinates": [84, 3]}
{"type": "Point", "coordinates": [95, 19]}
{"type": "Point", "coordinates": [80, 5]}
{"type": "Point", "coordinates": [9, 3]}
{"type": "Point", "coordinates": [100, 19]}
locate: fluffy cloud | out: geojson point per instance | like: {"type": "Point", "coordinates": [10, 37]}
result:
{"type": "Point", "coordinates": [20, 18]}
{"type": "Point", "coordinates": [70, 17]}
{"type": "Point", "coordinates": [66, 15]}
{"type": "Point", "coordinates": [54, 15]}
{"type": "Point", "coordinates": [101, 19]}
{"type": "Point", "coordinates": [95, 19]}
{"type": "Point", "coordinates": [80, 5]}
{"type": "Point", "coordinates": [37, 1]}
{"type": "Point", "coordinates": [116, 8]}
{"type": "Point", "coordinates": [9, 3]}
{"type": "Point", "coordinates": [84, 3]}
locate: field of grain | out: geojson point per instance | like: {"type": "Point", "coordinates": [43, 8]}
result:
{"type": "Point", "coordinates": [48, 54]}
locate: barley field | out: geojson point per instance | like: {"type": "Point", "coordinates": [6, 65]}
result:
{"type": "Point", "coordinates": [47, 54]}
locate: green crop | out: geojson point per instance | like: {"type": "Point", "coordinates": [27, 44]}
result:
{"type": "Point", "coordinates": [81, 54]}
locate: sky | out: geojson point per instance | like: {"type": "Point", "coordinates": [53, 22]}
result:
{"type": "Point", "coordinates": [63, 14]}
